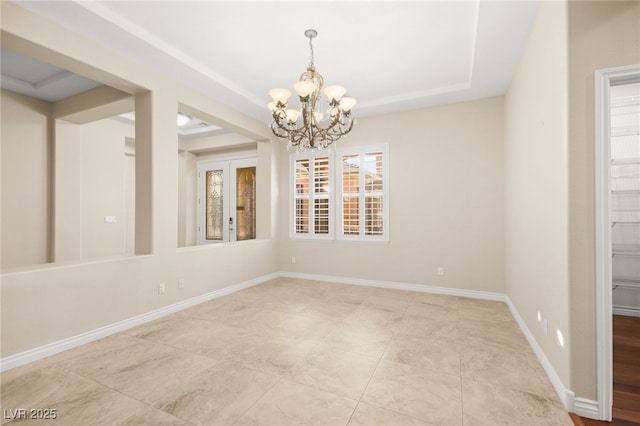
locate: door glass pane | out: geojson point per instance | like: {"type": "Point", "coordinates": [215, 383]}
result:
{"type": "Point", "coordinates": [214, 205]}
{"type": "Point", "coordinates": [245, 203]}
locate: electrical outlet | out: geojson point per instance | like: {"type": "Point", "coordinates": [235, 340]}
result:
{"type": "Point", "coordinates": [181, 283]}
{"type": "Point", "coordinates": [293, 259]}
{"type": "Point", "coordinates": [161, 288]}
{"type": "Point", "coordinates": [440, 270]}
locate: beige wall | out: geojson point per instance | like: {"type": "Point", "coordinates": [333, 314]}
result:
{"type": "Point", "coordinates": [89, 171]}
{"type": "Point", "coordinates": [187, 198]}
{"type": "Point", "coordinates": [25, 180]}
{"type": "Point", "coordinates": [536, 192]}
{"type": "Point", "coordinates": [74, 297]}
{"type": "Point", "coordinates": [602, 35]}
{"type": "Point", "coordinates": [446, 191]}
{"type": "Point", "coordinates": [104, 187]}
{"type": "Point", "coordinates": [67, 205]}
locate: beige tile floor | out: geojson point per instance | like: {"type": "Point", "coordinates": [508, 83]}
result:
{"type": "Point", "coordinates": [296, 352]}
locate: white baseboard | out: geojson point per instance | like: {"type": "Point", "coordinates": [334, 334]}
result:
{"type": "Point", "coordinates": [566, 396]}
{"type": "Point", "coordinates": [629, 312]}
{"type": "Point", "coordinates": [53, 348]}
{"type": "Point", "coordinates": [587, 408]}
{"type": "Point", "coordinates": [399, 286]}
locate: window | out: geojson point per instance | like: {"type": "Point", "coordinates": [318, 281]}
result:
{"type": "Point", "coordinates": [360, 204]}
{"type": "Point", "coordinates": [363, 213]}
{"type": "Point", "coordinates": [312, 202]}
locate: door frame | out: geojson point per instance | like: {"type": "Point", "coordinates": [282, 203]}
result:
{"type": "Point", "coordinates": [228, 165]}
{"type": "Point", "coordinates": [604, 79]}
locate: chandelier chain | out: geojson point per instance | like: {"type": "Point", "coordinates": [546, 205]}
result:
{"type": "Point", "coordinates": [311, 49]}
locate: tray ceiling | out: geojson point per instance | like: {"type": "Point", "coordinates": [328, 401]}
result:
{"type": "Point", "coordinates": [391, 56]}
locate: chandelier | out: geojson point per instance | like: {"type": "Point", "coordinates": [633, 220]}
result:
{"type": "Point", "coordinates": [315, 131]}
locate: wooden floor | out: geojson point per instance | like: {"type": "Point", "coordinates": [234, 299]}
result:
{"type": "Point", "coordinates": [626, 374]}
{"type": "Point", "coordinates": [582, 421]}
{"type": "Point", "coordinates": [626, 368]}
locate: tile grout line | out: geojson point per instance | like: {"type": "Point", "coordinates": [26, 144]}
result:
{"type": "Point", "coordinates": [352, 413]}
{"type": "Point", "coordinates": [171, 347]}
{"type": "Point", "coordinates": [372, 374]}
{"type": "Point", "coordinates": [395, 331]}
{"type": "Point", "coordinates": [257, 400]}
{"type": "Point", "coordinates": [100, 384]}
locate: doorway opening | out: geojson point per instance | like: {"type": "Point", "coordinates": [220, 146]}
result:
{"type": "Point", "coordinates": [617, 161]}
{"type": "Point", "coordinates": [226, 200]}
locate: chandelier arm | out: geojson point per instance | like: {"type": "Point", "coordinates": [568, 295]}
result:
{"type": "Point", "coordinates": [335, 120]}
{"type": "Point", "coordinates": [300, 133]}
{"type": "Point", "coordinates": [351, 123]}
{"type": "Point", "coordinates": [325, 139]}
{"type": "Point", "coordinates": [278, 127]}
{"type": "Point", "coordinates": [297, 137]}
{"type": "Point", "coordinates": [334, 136]}
{"type": "Point", "coordinates": [278, 115]}
{"type": "Point", "coordinates": [332, 133]}
{"type": "Point", "coordinates": [277, 134]}
{"type": "Point", "coordinates": [341, 125]}
{"type": "Point", "coordinates": [279, 121]}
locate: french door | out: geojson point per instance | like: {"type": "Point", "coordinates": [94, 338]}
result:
{"type": "Point", "coordinates": [226, 200]}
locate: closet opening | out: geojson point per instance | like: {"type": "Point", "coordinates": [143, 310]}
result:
{"type": "Point", "coordinates": [617, 143]}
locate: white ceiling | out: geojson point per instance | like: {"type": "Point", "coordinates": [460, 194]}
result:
{"type": "Point", "coordinates": [391, 56]}
{"type": "Point", "coordinates": [23, 74]}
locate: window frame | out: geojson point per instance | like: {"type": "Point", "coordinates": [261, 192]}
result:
{"type": "Point", "coordinates": [335, 195]}
{"type": "Point", "coordinates": [362, 151]}
{"type": "Point", "coordinates": [293, 196]}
